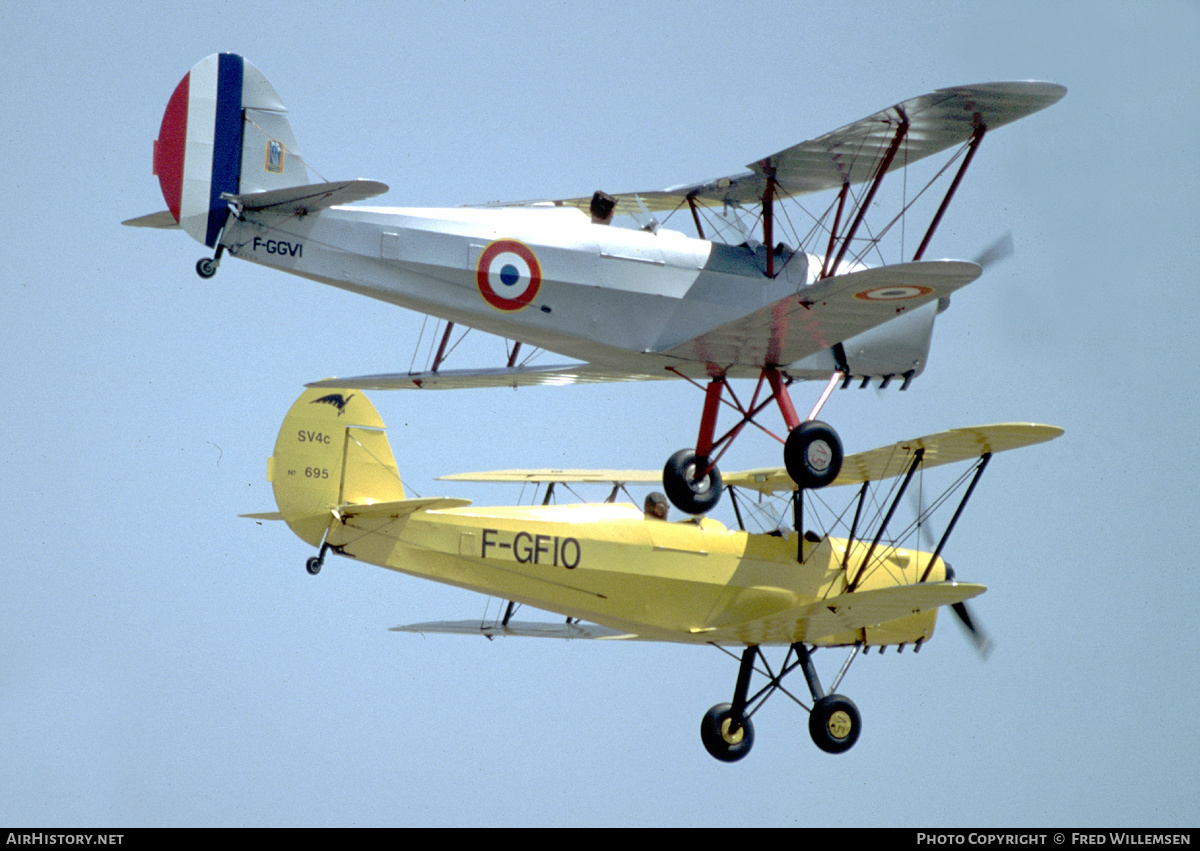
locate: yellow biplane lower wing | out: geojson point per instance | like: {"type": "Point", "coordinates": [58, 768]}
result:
{"type": "Point", "coordinates": [527, 629]}
{"type": "Point", "coordinates": [838, 616]}
{"type": "Point", "coordinates": [847, 613]}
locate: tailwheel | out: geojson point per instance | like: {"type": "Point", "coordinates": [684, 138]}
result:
{"type": "Point", "coordinates": [315, 563]}
{"type": "Point", "coordinates": [834, 723]}
{"type": "Point", "coordinates": [206, 267]}
{"type": "Point", "coordinates": [686, 493]}
{"type": "Point", "coordinates": [813, 454]}
{"type": "Point", "coordinates": [724, 737]}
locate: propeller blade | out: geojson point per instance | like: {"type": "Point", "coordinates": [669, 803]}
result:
{"type": "Point", "coordinates": [999, 250]}
{"type": "Point", "coordinates": [982, 641]}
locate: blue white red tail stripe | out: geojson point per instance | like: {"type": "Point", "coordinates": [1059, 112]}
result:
{"type": "Point", "coordinates": [198, 153]}
{"type": "Point", "coordinates": [227, 141]}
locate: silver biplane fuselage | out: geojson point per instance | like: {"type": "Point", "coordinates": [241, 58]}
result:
{"type": "Point", "coordinates": [608, 295]}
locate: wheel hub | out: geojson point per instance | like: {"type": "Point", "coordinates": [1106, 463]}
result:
{"type": "Point", "coordinates": [839, 724]}
{"type": "Point", "coordinates": [730, 735]}
{"type": "Point", "coordinates": [819, 456]}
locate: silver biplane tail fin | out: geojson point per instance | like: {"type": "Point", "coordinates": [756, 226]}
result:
{"type": "Point", "coordinates": [331, 452]}
{"type": "Point", "coordinates": [225, 132]}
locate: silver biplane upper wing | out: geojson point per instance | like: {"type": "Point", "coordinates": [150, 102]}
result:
{"type": "Point", "coordinates": [936, 122]}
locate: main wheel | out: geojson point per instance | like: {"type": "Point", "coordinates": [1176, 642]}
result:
{"type": "Point", "coordinates": [813, 454]}
{"type": "Point", "coordinates": [834, 723]}
{"type": "Point", "coordinates": [691, 497]}
{"type": "Point", "coordinates": [313, 565]}
{"type": "Point", "coordinates": [206, 267]}
{"type": "Point", "coordinates": [724, 739]}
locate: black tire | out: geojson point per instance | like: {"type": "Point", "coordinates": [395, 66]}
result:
{"type": "Point", "coordinates": [813, 454]}
{"type": "Point", "coordinates": [724, 740]}
{"type": "Point", "coordinates": [688, 496]}
{"type": "Point", "coordinates": [206, 267]}
{"type": "Point", "coordinates": [834, 723]}
{"type": "Point", "coordinates": [313, 565]}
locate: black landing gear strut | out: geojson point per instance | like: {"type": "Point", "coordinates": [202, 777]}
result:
{"type": "Point", "coordinates": [833, 721]}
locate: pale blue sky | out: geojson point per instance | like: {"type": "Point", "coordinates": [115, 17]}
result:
{"type": "Point", "coordinates": [163, 662]}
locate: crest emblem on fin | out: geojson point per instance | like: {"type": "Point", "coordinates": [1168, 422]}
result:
{"type": "Point", "coordinates": [337, 400]}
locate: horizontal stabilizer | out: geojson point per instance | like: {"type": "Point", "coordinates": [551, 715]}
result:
{"type": "Point", "coordinates": [388, 510]}
{"type": "Point", "coordinates": [162, 221]}
{"type": "Point", "coordinates": [399, 508]}
{"type": "Point", "coordinates": [266, 515]}
{"type": "Point", "coordinates": [517, 376]}
{"type": "Point", "coordinates": [527, 629]}
{"type": "Point", "coordinates": [307, 197]}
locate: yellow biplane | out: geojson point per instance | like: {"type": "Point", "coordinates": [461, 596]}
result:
{"type": "Point", "coordinates": [616, 573]}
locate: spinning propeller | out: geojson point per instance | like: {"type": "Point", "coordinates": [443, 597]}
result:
{"type": "Point", "coordinates": [981, 640]}
{"type": "Point", "coordinates": [997, 252]}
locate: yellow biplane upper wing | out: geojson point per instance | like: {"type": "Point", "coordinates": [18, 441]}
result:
{"type": "Point", "coordinates": [947, 447]}
{"type": "Point", "coordinates": [552, 475]}
{"type": "Point", "coordinates": [936, 122]}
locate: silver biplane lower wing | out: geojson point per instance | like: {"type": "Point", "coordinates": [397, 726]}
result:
{"type": "Point", "coordinates": [516, 376]}
{"type": "Point", "coordinates": [824, 314]}
{"type": "Point", "coordinates": [786, 331]}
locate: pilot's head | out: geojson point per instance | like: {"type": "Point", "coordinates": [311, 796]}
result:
{"type": "Point", "coordinates": [602, 208]}
{"type": "Point", "coordinates": [657, 506]}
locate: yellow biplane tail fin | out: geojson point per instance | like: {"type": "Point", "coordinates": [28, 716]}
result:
{"type": "Point", "coordinates": [331, 451]}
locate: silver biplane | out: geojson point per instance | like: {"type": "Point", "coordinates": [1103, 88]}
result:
{"type": "Point", "coordinates": [741, 299]}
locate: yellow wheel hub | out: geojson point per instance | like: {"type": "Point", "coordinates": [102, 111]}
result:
{"type": "Point", "coordinates": [839, 724]}
{"type": "Point", "coordinates": [731, 737]}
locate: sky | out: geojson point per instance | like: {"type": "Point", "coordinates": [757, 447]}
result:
{"type": "Point", "coordinates": [163, 662]}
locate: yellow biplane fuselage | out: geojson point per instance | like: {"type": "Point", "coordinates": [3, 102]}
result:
{"type": "Point", "coordinates": [693, 581]}
{"type": "Point", "coordinates": [617, 573]}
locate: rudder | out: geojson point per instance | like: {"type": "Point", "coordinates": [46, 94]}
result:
{"type": "Point", "coordinates": [331, 451]}
{"type": "Point", "coordinates": [225, 130]}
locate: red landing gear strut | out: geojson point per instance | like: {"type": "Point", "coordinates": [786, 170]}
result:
{"type": "Point", "coordinates": [812, 452]}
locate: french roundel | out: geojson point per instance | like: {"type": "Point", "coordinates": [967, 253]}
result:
{"type": "Point", "coordinates": [508, 275]}
{"type": "Point", "coordinates": [893, 293]}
